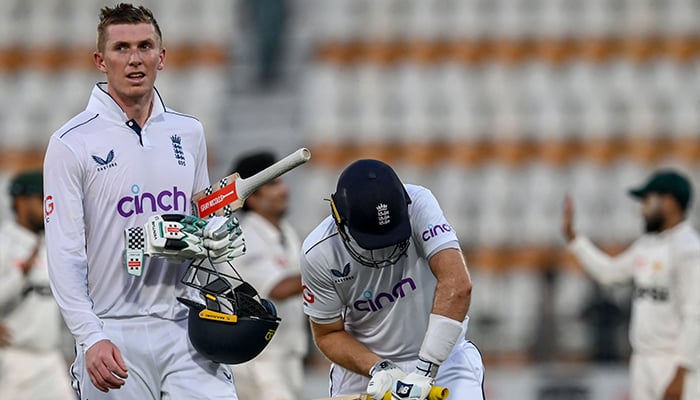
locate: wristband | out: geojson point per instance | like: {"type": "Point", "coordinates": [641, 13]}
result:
{"type": "Point", "coordinates": [426, 368]}
{"type": "Point", "coordinates": [440, 338]}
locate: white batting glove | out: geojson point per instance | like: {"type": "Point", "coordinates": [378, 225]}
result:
{"type": "Point", "coordinates": [384, 373]}
{"type": "Point", "coordinates": [417, 384]}
{"type": "Point", "coordinates": [223, 239]}
{"type": "Point", "coordinates": [173, 236]}
{"type": "Point", "coordinates": [413, 387]}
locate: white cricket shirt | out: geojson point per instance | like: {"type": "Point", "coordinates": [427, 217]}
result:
{"type": "Point", "coordinates": [388, 308]}
{"type": "Point", "coordinates": [103, 174]}
{"type": "Point", "coordinates": [27, 307]}
{"type": "Point", "coordinates": [665, 269]}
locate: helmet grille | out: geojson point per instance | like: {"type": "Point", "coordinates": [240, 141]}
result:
{"type": "Point", "coordinates": [247, 306]}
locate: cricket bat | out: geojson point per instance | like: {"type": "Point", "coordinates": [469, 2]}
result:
{"type": "Point", "coordinates": [228, 195]}
{"type": "Point", "coordinates": [436, 393]}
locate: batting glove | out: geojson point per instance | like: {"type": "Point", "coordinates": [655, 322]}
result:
{"type": "Point", "coordinates": [384, 373]}
{"type": "Point", "coordinates": [172, 236]}
{"type": "Point", "coordinates": [413, 387]}
{"type": "Point", "coordinates": [223, 239]}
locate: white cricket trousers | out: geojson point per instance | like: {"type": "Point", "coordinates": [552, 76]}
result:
{"type": "Point", "coordinates": [34, 375]}
{"type": "Point", "coordinates": [650, 375]}
{"type": "Point", "coordinates": [462, 373]}
{"type": "Point", "coordinates": [162, 364]}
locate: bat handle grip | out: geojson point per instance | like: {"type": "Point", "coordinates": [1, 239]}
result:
{"type": "Point", "coordinates": [436, 393]}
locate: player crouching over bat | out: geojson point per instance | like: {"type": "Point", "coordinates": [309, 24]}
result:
{"type": "Point", "coordinates": [387, 291]}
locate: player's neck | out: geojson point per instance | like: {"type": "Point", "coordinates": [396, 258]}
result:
{"type": "Point", "coordinates": [274, 220]}
{"type": "Point", "coordinates": [673, 222]}
{"type": "Point", "coordinates": [138, 109]}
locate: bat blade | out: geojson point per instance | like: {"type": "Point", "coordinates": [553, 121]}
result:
{"type": "Point", "coordinates": [228, 195]}
{"type": "Point", "coordinates": [348, 397]}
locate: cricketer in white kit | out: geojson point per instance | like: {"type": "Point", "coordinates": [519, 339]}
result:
{"type": "Point", "coordinates": [664, 265]}
{"type": "Point", "coordinates": [103, 174]}
{"type": "Point", "coordinates": [388, 309]}
{"type": "Point", "coordinates": [33, 365]}
{"type": "Point", "coordinates": [665, 320]}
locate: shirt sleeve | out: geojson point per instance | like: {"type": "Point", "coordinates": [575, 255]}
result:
{"type": "Point", "coordinates": [431, 230]}
{"type": "Point", "coordinates": [201, 178]}
{"type": "Point", "coordinates": [65, 242]}
{"type": "Point", "coordinates": [688, 281]}
{"type": "Point", "coordinates": [321, 300]}
{"type": "Point", "coordinates": [12, 280]}
{"type": "Point", "coordinates": [605, 269]}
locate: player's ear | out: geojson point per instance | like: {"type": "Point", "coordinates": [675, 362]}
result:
{"type": "Point", "coordinates": [99, 61]}
{"type": "Point", "coordinates": [161, 61]}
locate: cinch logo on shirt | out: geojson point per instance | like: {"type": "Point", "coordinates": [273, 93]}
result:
{"type": "Point", "coordinates": [138, 203]}
{"type": "Point", "coordinates": [376, 303]}
{"type": "Point", "coordinates": [434, 230]}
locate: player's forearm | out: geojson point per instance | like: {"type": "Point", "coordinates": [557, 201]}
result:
{"type": "Point", "coordinates": [344, 350]}
{"type": "Point", "coordinates": [70, 290]}
{"type": "Point", "coordinates": [287, 287]}
{"type": "Point", "coordinates": [452, 299]}
{"type": "Point", "coordinates": [603, 268]}
{"type": "Point", "coordinates": [10, 285]}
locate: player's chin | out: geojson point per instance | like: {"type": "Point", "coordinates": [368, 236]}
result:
{"type": "Point", "coordinates": [138, 88]}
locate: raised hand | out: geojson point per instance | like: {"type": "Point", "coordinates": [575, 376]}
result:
{"type": "Point", "coordinates": [568, 219]}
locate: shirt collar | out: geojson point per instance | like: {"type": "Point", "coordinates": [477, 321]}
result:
{"type": "Point", "coordinates": [101, 102]}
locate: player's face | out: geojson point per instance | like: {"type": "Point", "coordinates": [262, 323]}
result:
{"type": "Point", "coordinates": [30, 211]}
{"type": "Point", "coordinates": [652, 211]}
{"type": "Point", "coordinates": [131, 58]}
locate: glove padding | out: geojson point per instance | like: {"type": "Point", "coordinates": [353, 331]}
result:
{"type": "Point", "coordinates": [384, 373]}
{"type": "Point", "coordinates": [175, 237]}
{"type": "Point", "coordinates": [180, 237]}
{"type": "Point", "coordinates": [223, 239]}
{"type": "Point", "coordinates": [413, 386]}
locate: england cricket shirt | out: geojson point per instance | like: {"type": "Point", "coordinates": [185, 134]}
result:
{"type": "Point", "coordinates": [388, 308]}
{"type": "Point", "coordinates": [103, 173]}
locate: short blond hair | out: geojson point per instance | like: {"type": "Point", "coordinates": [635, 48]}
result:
{"type": "Point", "coordinates": [124, 13]}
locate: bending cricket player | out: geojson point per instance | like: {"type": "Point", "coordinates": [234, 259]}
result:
{"type": "Point", "coordinates": [387, 291]}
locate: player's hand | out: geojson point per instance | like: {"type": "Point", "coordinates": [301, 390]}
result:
{"type": "Point", "coordinates": [173, 236]}
{"type": "Point", "coordinates": [412, 387]}
{"type": "Point", "coordinates": [568, 219]}
{"type": "Point", "coordinates": [5, 337]}
{"type": "Point", "coordinates": [105, 365]}
{"type": "Point", "coordinates": [674, 390]}
{"type": "Point", "coordinates": [223, 239]}
{"type": "Point", "coordinates": [384, 373]}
